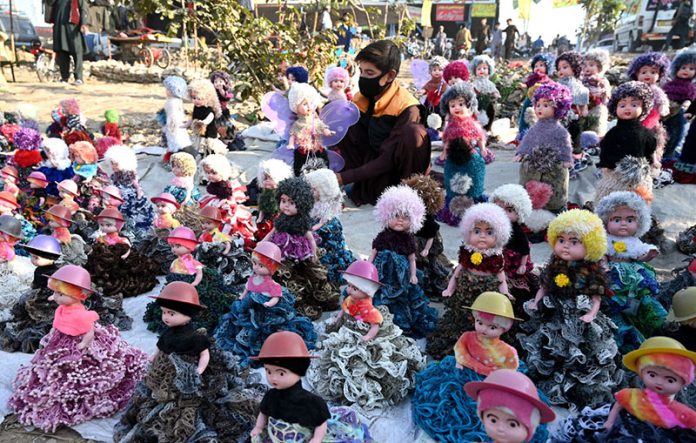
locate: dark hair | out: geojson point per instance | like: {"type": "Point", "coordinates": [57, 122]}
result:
{"type": "Point", "coordinates": [508, 20]}
{"type": "Point", "coordinates": [384, 54]}
{"type": "Point", "coordinates": [459, 151]}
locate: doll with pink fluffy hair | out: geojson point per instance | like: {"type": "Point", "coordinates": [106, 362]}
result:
{"type": "Point", "coordinates": [338, 81]}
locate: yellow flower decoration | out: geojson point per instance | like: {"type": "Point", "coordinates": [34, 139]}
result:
{"type": "Point", "coordinates": [476, 258]}
{"type": "Point", "coordinates": [561, 280]}
{"type": "Point", "coordinates": [620, 246]}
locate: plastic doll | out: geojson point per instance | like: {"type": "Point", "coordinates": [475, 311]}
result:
{"type": "Point", "coordinates": [328, 204]}
{"type": "Point", "coordinates": [73, 247]}
{"type": "Point", "coordinates": [295, 74]}
{"type": "Point", "coordinates": [630, 103]}
{"type": "Point", "coordinates": [383, 362]}
{"type": "Point", "coordinates": [192, 386]}
{"type": "Point", "coordinates": [166, 206]}
{"type": "Point", "coordinates": [10, 234]}
{"type": "Point", "coordinates": [270, 173]}
{"type": "Point", "coordinates": [9, 176]}
{"type": "Point", "coordinates": [227, 194]}
{"type": "Point", "coordinates": [208, 282]}
{"type": "Point", "coordinates": [32, 315]}
{"type": "Point", "coordinates": [110, 128]}
{"type": "Point", "coordinates": [67, 191]}
{"type": "Point", "coordinates": [523, 284]}
{"type": "Point", "coordinates": [464, 144]}
{"type": "Point", "coordinates": [509, 407]}
{"type": "Point", "coordinates": [9, 206]}
{"type": "Point", "coordinates": [74, 129]}
{"type": "Point", "coordinates": [206, 108]}
{"type": "Point", "coordinates": [110, 196]}
{"type": "Point", "coordinates": [569, 343]}
{"type": "Point", "coordinates": [443, 412]}
{"type": "Point", "coordinates": [136, 207]}
{"type": "Point", "coordinates": [225, 94]}
{"type": "Point", "coordinates": [430, 256]}
{"type": "Point", "coordinates": [34, 200]}
{"type": "Point", "coordinates": [485, 230]}
{"type": "Point", "coordinates": [14, 274]}
{"type": "Point", "coordinates": [434, 123]}
{"type": "Point", "coordinates": [285, 358]}
{"type": "Point", "coordinates": [681, 92]}
{"type": "Point", "coordinates": [684, 168]}
{"type": "Point", "coordinates": [595, 63]}
{"type": "Point", "coordinates": [304, 276]}
{"type": "Point", "coordinates": [400, 213]}
{"type": "Point", "coordinates": [435, 87]}
{"type": "Point", "coordinates": [546, 149]}
{"type": "Point", "coordinates": [27, 156]}
{"type": "Point", "coordinates": [264, 307]}
{"type": "Point", "coordinates": [182, 186]}
{"type": "Point", "coordinates": [103, 144]}
{"type": "Point", "coordinates": [542, 66]}
{"type": "Point", "coordinates": [568, 70]}
{"type": "Point", "coordinates": [486, 91]}
{"type": "Point", "coordinates": [337, 80]}
{"type": "Point", "coordinates": [454, 71]}
{"type": "Point", "coordinates": [57, 165]}
{"type": "Point", "coordinates": [174, 127]}
{"type": "Point", "coordinates": [79, 360]}
{"type": "Point", "coordinates": [88, 175]}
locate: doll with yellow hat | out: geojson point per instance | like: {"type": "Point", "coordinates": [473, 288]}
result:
{"type": "Point", "coordinates": [570, 345]}
{"type": "Point", "coordinates": [440, 407]}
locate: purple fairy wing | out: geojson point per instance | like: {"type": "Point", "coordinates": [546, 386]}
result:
{"type": "Point", "coordinates": [338, 115]}
{"type": "Point", "coordinates": [420, 72]}
{"type": "Point", "coordinates": [284, 154]}
{"type": "Point", "coordinates": [336, 162]}
{"type": "Point", "coordinates": [277, 108]}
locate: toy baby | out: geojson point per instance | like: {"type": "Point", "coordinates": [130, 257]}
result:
{"type": "Point", "coordinates": [568, 70]}
{"type": "Point", "coordinates": [542, 66]}
{"type": "Point", "coordinates": [435, 87]}
{"type": "Point", "coordinates": [166, 206]}
{"type": "Point", "coordinates": [681, 92]}
{"type": "Point", "coordinates": [486, 91]}
{"type": "Point", "coordinates": [206, 108]}
{"type": "Point", "coordinates": [338, 81]}
{"type": "Point", "coordinates": [595, 63]}
{"type": "Point", "coordinates": [270, 173]}
{"type": "Point", "coordinates": [182, 186]}
{"type": "Point", "coordinates": [174, 127]}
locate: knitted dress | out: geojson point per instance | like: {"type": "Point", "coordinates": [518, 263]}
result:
{"type": "Point", "coordinates": [234, 267]}
{"type": "Point", "coordinates": [521, 286]}
{"type": "Point", "coordinates": [573, 362]}
{"type": "Point", "coordinates": [64, 385]}
{"type": "Point", "coordinates": [435, 267]}
{"type": "Point", "coordinates": [406, 301]}
{"type": "Point", "coordinates": [487, 95]}
{"type": "Point", "coordinates": [336, 256]}
{"type": "Point", "coordinates": [229, 196]}
{"type": "Point", "coordinates": [680, 92]}
{"type": "Point", "coordinates": [139, 211]}
{"type": "Point", "coordinates": [652, 122]}
{"type": "Point", "coordinates": [581, 97]}
{"type": "Point", "coordinates": [598, 114]}
{"type": "Point", "coordinates": [533, 81]}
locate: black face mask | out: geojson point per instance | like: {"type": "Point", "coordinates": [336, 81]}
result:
{"type": "Point", "coordinates": [370, 87]}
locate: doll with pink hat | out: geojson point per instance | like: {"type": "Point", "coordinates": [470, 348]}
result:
{"type": "Point", "coordinates": [166, 206]}
{"type": "Point", "coordinates": [73, 247]}
{"type": "Point", "coordinates": [67, 191]}
{"type": "Point", "coordinates": [383, 361]}
{"type": "Point", "coordinates": [263, 307]}
{"type": "Point", "coordinates": [110, 197]}
{"type": "Point", "coordinates": [80, 360]}
{"type": "Point", "coordinates": [192, 387]}
{"type": "Point", "coordinates": [208, 282]}
{"type": "Point", "coordinates": [9, 177]}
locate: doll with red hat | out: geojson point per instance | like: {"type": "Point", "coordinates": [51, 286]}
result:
{"type": "Point", "coordinates": [208, 282]}
{"type": "Point", "coordinates": [73, 247]}
{"type": "Point", "coordinates": [264, 307]}
{"type": "Point", "coordinates": [383, 361]}
{"type": "Point", "coordinates": [83, 370]}
{"type": "Point", "coordinates": [508, 405]}
{"type": "Point", "coordinates": [117, 269]}
{"type": "Point", "coordinates": [192, 387]}
{"type": "Point", "coordinates": [288, 412]}
{"type": "Point", "coordinates": [10, 207]}
{"type": "Point", "coordinates": [9, 177]}
{"type": "Point", "coordinates": [166, 206]}
{"type": "Point", "coordinates": [221, 251]}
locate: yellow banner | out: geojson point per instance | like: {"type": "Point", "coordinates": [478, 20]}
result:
{"type": "Point", "coordinates": [524, 9]}
{"type": "Point", "coordinates": [564, 3]}
{"type": "Point", "coordinates": [483, 10]}
{"type": "Point", "coordinates": [425, 13]}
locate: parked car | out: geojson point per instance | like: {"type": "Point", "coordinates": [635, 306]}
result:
{"type": "Point", "coordinates": [25, 35]}
{"type": "Point", "coordinates": [606, 43]}
{"type": "Point", "coordinates": [644, 22]}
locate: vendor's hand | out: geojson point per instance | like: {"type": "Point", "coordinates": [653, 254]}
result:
{"type": "Point", "coordinates": [522, 269]}
{"type": "Point", "coordinates": [413, 280]}
{"type": "Point", "coordinates": [518, 158]}
{"type": "Point", "coordinates": [425, 252]}
{"type": "Point", "coordinates": [588, 318]}
{"type": "Point", "coordinates": [567, 165]}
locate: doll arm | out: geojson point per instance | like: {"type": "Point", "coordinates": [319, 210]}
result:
{"type": "Point", "coordinates": [228, 246]}
{"type": "Point", "coordinates": [208, 118]}
{"type": "Point", "coordinates": [155, 355]}
{"type": "Point", "coordinates": [319, 225]}
{"type": "Point", "coordinates": [319, 433]}
{"type": "Point", "coordinates": [412, 268]}
{"type": "Point", "coordinates": [613, 414]}
{"type": "Point", "coordinates": [312, 242]}
{"type": "Point", "coordinates": [523, 265]}
{"type": "Point", "coordinates": [261, 422]}
{"type": "Point", "coordinates": [539, 295]}
{"type": "Point", "coordinates": [138, 189]}
{"type": "Point", "coordinates": [338, 317]}
{"type": "Point", "coordinates": [203, 360]}
{"type": "Point", "coordinates": [503, 284]}
{"type": "Point", "coordinates": [452, 282]}
{"type": "Point", "coordinates": [199, 277]}
{"type": "Point", "coordinates": [426, 248]}
{"type": "Point", "coordinates": [268, 236]}
{"type": "Point", "coordinates": [371, 333]}
{"type": "Point", "coordinates": [125, 256]}
{"type": "Point", "coordinates": [86, 339]}
{"type": "Point", "coordinates": [596, 301]}
{"type": "Point", "coordinates": [272, 302]}
{"type": "Point", "coordinates": [372, 256]}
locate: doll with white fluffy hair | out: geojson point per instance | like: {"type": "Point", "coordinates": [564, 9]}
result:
{"type": "Point", "coordinates": [306, 131]}
{"type": "Point", "coordinates": [400, 212]}
{"type": "Point", "coordinates": [56, 167]}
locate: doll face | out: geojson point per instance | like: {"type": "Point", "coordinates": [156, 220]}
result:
{"type": "Point", "coordinates": [165, 208]}
{"type": "Point", "coordinates": [687, 71]}
{"type": "Point", "coordinates": [40, 261]}
{"type": "Point", "coordinates": [287, 206]}
{"type": "Point", "coordinates": [661, 380]}
{"type": "Point", "coordinates": [65, 195]}
{"type": "Point", "coordinates": [179, 250]}
{"type": "Point", "coordinates": [436, 72]}
{"type": "Point", "coordinates": [303, 108]}
{"type": "Point", "coordinates": [53, 224]}
{"type": "Point", "coordinates": [258, 267]}
{"type": "Point", "coordinates": [482, 236]}
{"type": "Point", "coordinates": [174, 318]}
{"type": "Point", "coordinates": [212, 175]}
{"type": "Point", "coordinates": [453, 80]}
{"type": "Point", "coordinates": [356, 293]}
{"type": "Point", "coordinates": [5, 209]}
{"type": "Point", "coordinates": [400, 223]}
{"type": "Point", "coordinates": [488, 328]}
{"type": "Point", "coordinates": [219, 83]}
{"type": "Point", "coordinates": [268, 182]}
{"type": "Point", "coordinates": [7, 178]}
{"type": "Point", "coordinates": [291, 79]}
{"type": "Point", "coordinates": [280, 378]}
{"type": "Point", "coordinates": [107, 225]}
{"type": "Point", "coordinates": [564, 70]}
{"type": "Point", "coordinates": [648, 74]}
{"type": "Point", "coordinates": [209, 225]}
{"type": "Point", "coordinates": [458, 107]}
{"type": "Point", "coordinates": [176, 170]}
{"type": "Point", "coordinates": [568, 247]}
{"type": "Point", "coordinates": [623, 222]}
{"type": "Point", "coordinates": [539, 67]}
{"type": "Point", "coordinates": [510, 210]}
{"type": "Point", "coordinates": [629, 108]}
{"type": "Point", "coordinates": [63, 299]}
{"type": "Point", "coordinates": [590, 67]}
{"type": "Point", "coordinates": [544, 108]}
{"type": "Point", "coordinates": [482, 70]}
{"type": "Point", "coordinates": [338, 85]}
{"type": "Point", "coordinates": [503, 427]}
{"type": "Point", "coordinates": [197, 99]}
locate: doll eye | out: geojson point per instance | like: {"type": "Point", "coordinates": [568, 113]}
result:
{"type": "Point", "coordinates": [493, 327]}
{"type": "Point", "coordinates": [651, 374]}
{"type": "Point", "coordinates": [477, 231]}
{"type": "Point", "coordinates": [489, 232]}
{"type": "Point", "coordinates": [513, 424]}
{"type": "Point", "coordinates": [630, 219]}
{"type": "Point", "coordinates": [671, 380]}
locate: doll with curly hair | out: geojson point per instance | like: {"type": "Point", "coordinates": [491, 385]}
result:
{"type": "Point", "coordinates": [400, 212]}
{"type": "Point", "coordinates": [301, 273]}
{"type": "Point", "coordinates": [542, 67]}
{"type": "Point", "coordinates": [595, 63]}
{"type": "Point", "coordinates": [206, 109]}
{"type": "Point", "coordinates": [455, 71]}
{"type": "Point", "coordinates": [430, 255]}
{"type": "Point", "coordinates": [568, 70]}
{"type": "Point", "coordinates": [182, 186]}
{"type": "Point", "coordinates": [224, 88]}
{"type": "Point", "coordinates": [546, 150]}
{"type": "Point", "coordinates": [486, 91]}
{"type": "Point", "coordinates": [681, 92]}
{"type": "Point", "coordinates": [571, 352]}
{"type": "Point", "coordinates": [270, 173]}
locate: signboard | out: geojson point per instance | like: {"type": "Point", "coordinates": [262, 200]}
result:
{"type": "Point", "coordinates": [449, 13]}
{"type": "Point", "coordinates": [483, 10]}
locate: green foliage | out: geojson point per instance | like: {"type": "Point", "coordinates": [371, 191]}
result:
{"type": "Point", "coordinates": [600, 16]}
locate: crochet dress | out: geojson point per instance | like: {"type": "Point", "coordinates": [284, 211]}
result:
{"type": "Point", "coordinates": [181, 187]}
{"type": "Point", "coordinates": [439, 404]}
{"type": "Point", "coordinates": [581, 97]}
{"type": "Point", "coordinates": [243, 330]}
{"type": "Point", "coordinates": [65, 385]}
{"type": "Point", "coordinates": [139, 211]}
{"type": "Point", "coordinates": [268, 204]}
{"type": "Point", "coordinates": [336, 256]}
{"type": "Point", "coordinates": [533, 81]}
{"type": "Point", "coordinates": [234, 267]}
{"type": "Point", "coordinates": [309, 154]}
{"type": "Point", "coordinates": [435, 267]}
{"type": "Point", "coordinates": [633, 307]}
{"type": "Point", "coordinates": [487, 95]}
{"type": "Point", "coordinates": [678, 91]}
{"type": "Point", "coordinates": [521, 286]}
{"type": "Point", "coordinates": [652, 122]}
{"type": "Point", "coordinates": [406, 301]}
{"type": "Point", "coordinates": [229, 196]}
{"type": "Point", "coordinates": [598, 114]}
{"type": "Point", "coordinates": [374, 374]}
{"type": "Point", "coordinates": [15, 277]}
{"type": "Point", "coordinates": [211, 290]}
{"type": "Point", "coordinates": [469, 286]}
{"type": "Point", "coordinates": [573, 362]}
{"type": "Point", "coordinates": [175, 404]}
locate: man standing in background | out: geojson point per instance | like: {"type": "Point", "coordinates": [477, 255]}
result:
{"type": "Point", "coordinates": [496, 41]}
{"type": "Point", "coordinates": [483, 37]}
{"type": "Point", "coordinates": [70, 20]}
{"type": "Point", "coordinates": [511, 33]}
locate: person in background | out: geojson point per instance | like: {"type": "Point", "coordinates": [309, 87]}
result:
{"type": "Point", "coordinates": [483, 37]}
{"type": "Point", "coordinates": [345, 32]}
{"type": "Point", "coordinates": [511, 33]}
{"type": "Point", "coordinates": [680, 25]}
{"type": "Point", "coordinates": [462, 40]}
{"type": "Point", "coordinates": [440, 44]}
{"type": "Point", "coordinates": [70, 20]}
{"type": "Point", "coordinates": [537, 46]}
{"type": "Point", "coordinates": [496, 41]}
{"type": "Point", "coordinates": [326, 23]}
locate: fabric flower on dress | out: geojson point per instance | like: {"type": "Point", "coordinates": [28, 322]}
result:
{"type": "Point", "coordinates": [476, 258]}
{"type": "Point", "coordinates": [561, 280]}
